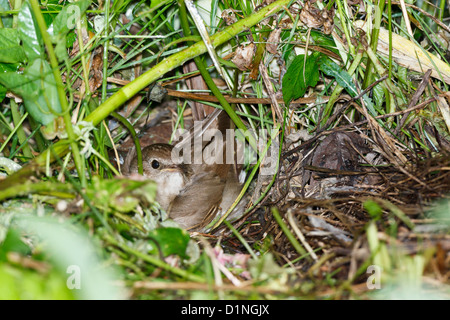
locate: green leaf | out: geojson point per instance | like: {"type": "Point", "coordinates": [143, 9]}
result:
{"type": "Point", "coordinates": [332, 69]}
{"type": "Point", "coordinates": [7, 20]}
{"type": "Point", "coordinates": [403, 74]}
{"type": "Point", "coordinates": [7, 67]}
{"type": "Point", "coordinates": [2, 93]}
{"type": "Point", "coordinates": [66, 19]}
{"type": "Point", "coordinates": [171, 240]}
{"type": "Point", "coordinates": [343, 78]}
{"type": "Point", "coordinates": [324, 41]}
{"type": "Point", "coordinates": [64, 22]}
{"type": "Point", "coordinates": [73, 253]}
{"type": "Point", "coordinates": [29, 33]}
{"type": "Point", "coordinates": [37, 87]}
{"type": "Point", "coordinates": [378, 95]}
{"type": "Point", "coordinates": [373, 208]}
{"type": "Point", "coordinates": [10, 49]}
{"type": "Point", "coordinates": [61, 51]}
{"type": "Point", "coordinates": [20, 283]}
{"type": "Point", "coordinates": [13, 243]}
{"type": "Point", "coordinates": [121, 194]}
{"type": "Point", "coordinates": [300, 75]}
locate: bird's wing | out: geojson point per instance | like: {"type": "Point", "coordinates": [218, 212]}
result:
{"type": "Point", "coordinates": [198, 203]}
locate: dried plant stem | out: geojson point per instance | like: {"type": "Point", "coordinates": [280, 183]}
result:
{"type": "Point", "coordinates": [298, 247]}
{"type": "Point", "coordinates": [300, 235]}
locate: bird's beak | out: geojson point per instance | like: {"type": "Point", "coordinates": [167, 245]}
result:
{"type": "Point", "coordinates": [171, 169]}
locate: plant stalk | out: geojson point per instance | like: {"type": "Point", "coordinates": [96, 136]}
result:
{"type": "Point", "coordinates": [61, 92]}
{"type": "Point", "coordinates": [20, 132]}
{"type": "Point", "coordinates": [209, 81]}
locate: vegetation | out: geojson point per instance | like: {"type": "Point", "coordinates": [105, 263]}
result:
{"type": "Point", "coordinates": [355, 94]}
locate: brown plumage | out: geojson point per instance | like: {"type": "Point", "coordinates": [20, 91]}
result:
{"type": "Point", "coordinates": [192, 194]}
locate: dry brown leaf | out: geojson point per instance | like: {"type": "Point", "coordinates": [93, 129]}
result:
{"type": "Point", "coordinates": [96, 72]}
{"type": "Point", "coordinates": [408, 54]}
{"type": "Point", "coordinates": [312, 17]}
{"type": "Point", "coordinates": [229, 16]}
{"type": "Point", "coordinates": [273, 41]}
{"type": "Point", "coordinates": [244, 56]}
{"type": "Point", "coordinates": [445, 110]}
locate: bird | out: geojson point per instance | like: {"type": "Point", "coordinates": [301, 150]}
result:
{"type": "Point", "coordinates": [192, 193]}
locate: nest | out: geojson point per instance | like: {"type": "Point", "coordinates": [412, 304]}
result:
{"type": "Point", "coordinates": [322, 190]}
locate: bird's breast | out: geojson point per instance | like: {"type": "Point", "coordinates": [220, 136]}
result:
{"type": "Point", "coordinates": [169, 187]}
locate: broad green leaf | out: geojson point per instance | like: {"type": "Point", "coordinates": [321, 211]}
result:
{"type": "Point", "coordinates": [66, 19]}
{"type": "Point", "coordinates": [343, 78]}
{"type": "Point", "coordinates": [73, 253]}
{"type": "Point", "coordinates": [42, 101]}
{"type": "Point", "coordinates": [170, 240]}
{"type": "Point", "coordinates": [10, 49]}
{"type": "Point", "coordinates": [7, 67]}
{"type": "Point", "coordinates": [7, 20]}
{"type": "Point", "coordinates": [302, 73]}
{"type": "Point", "coordinates": [20, 283]}
{"type": "Point", "coordinates": [378, 95]}
{"type": "Point", "coordinates": [64, 22]}
{"type": "Point", "coordinates": [37, 87]}
{"type": "Point", "coordinates": [29, 33]}
{"type": "Point", "coordinates": [324, 41]}
{"type": "Point", "coordinates": [13, 243]}
{"type": "Point", "coordinates": [61, 50]}
{"type": "Point", "coordinates": [332, 69]}
{"type": "Point", "coordinates": [2, 93]}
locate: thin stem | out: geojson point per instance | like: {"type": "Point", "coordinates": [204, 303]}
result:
{"type": "Point", "coordinates": [390, 37]}
{"type": "Point", "coordinates": [241, 239]}
{"type": "Point", "coordinates": [17, 126]}
{"type": "Point", "coordinates": [130, 128]}
{"type": "Point", "coordinates": [20, 132]}
{"type": "Point", "coordinates": [374, 42]}
{"type": "Point", "coordinates": [209, 81]}
{"type": "Point", "coordinates": [154, 261]}
{"type": "Point", "coordinates": [298, 247]}
{"type": "Point", "coordinates": [60, 87]}
{"type": "Point", "coordinates": [105, 51]}
{"type": "Point", "coordinates": [344, 26]}
{"type": "Point", "coordinates": [25, 143]}
{"type": "Point", "coordinates": [338, 89]}
{"type": "Point", "coordinates": [177, 59]}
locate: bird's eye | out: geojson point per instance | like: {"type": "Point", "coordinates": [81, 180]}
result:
{"type": "Point", "coordinates": [155, 164]}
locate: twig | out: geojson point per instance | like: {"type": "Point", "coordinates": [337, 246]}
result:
{"type": "Point", "coordinates": [437, 21]}
{"type": "Point", "coordinates": [349, 126]}
{"type": "Point", "coordinates": [298, 247]}
{"type": "Point", "coordinates": [414, 99]}
{"type": "Point", "coordinates": [270, 92]}
{"type": "Point", "coordinates": [300, 235]}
